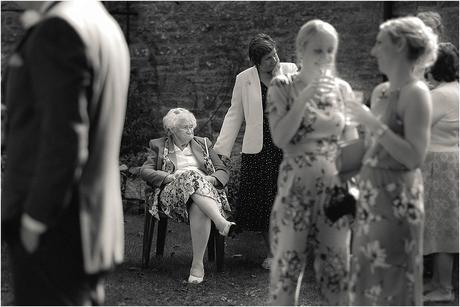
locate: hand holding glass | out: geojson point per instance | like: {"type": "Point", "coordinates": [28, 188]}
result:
{"type": "Point", "coordinates": [355, 110]}
{"type": "Point", "coordinates": [356, 97]}
{"type": "Point", "coordinates": [326, 81]}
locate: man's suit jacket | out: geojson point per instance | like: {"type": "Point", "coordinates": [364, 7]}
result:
{"type": "Point", "coordinates": [66, 94]}
{"type": "Point", "coordinates": [246, 105]}
{"type": "Point", "coordinates": [151, 170]}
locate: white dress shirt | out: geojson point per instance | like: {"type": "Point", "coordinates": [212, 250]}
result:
{"type": "Point", "coordinates": [186, 160]}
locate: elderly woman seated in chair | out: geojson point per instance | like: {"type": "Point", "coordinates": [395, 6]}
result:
{"type": "Point", "coordinates": [188, 178]}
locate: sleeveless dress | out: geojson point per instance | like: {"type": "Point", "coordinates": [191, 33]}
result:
{"type": "Point", "coordinates": [387, 253]}
{"type": "Point", "coordinates": [298, 223]}
{"type": "Point", "coordinates": [259, 174]}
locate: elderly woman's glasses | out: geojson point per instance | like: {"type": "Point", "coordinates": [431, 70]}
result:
{"type": "Point", "coordinates": [187, 128]}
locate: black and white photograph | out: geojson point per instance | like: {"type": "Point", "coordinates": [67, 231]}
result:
{"type": "Point", "coordinates": [229, 153]}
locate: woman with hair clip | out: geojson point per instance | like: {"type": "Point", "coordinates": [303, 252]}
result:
{"type": "Point", "coordinates": [387, 253]}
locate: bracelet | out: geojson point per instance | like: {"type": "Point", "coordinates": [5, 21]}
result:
{"type": "Point", "coordinates": [381, 131]}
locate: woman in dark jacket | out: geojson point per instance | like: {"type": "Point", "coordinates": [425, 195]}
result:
{"type": "Point", "coordinates": [187, 174]}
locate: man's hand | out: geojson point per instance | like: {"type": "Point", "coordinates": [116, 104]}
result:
{"type": "Point", "coordinates": [29, 239]}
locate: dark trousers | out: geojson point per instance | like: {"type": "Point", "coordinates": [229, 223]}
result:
{"type": "Point", "coordinates": [54, 274]}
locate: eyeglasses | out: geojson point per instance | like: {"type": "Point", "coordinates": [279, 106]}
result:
{"type": "Point", "coordinates": [187, 128]}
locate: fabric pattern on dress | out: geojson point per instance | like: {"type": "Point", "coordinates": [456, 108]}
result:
{"type": "Point", "coordinates": [440, 173]}
{"type": "Point", "coordinates": [307, 175]}
{"type": "Point", "coordinates": [174, 199]}
{"type": "Point", "coordinates": [387, 261]}
{"type": "Point", "coordinates": [258, 180]}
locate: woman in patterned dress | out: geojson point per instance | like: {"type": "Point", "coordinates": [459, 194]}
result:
{"type": "Point", "coordinates": [307, 126]}
{"type": "Point", "coordinates": [260, 158]}
{"type": "Point", "coordinates": [387, 252]}
{"type": "Point", "coordinates": [187, 175]}
{"type": "Point", "coordinates": [440, 175]}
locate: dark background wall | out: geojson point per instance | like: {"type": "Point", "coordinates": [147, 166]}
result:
{"type": "Point", "coordinates": [187, 54]}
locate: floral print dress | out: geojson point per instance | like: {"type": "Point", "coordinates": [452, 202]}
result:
{"type": "Point", "coordinates": [174, 199]}
{"type": "Point", "coordinates": [306, 177]}
{"type": "Point", "coordinates": [387, 259]}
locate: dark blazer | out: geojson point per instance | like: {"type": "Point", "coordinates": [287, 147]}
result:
{"type": "Point", "coordinates": [66, 94]}
{"type": "Point", "coordinates": [151, 170]}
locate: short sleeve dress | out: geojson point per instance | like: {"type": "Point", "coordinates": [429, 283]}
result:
{"type": "Point", "coordinates": [307, 175]}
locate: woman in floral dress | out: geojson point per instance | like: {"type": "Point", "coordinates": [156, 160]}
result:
{"type": "Point", "coordinates": [307, 127]}
{"type": "Point", "coordinates": [387, 253]}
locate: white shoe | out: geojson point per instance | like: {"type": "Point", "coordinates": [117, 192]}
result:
{"type": "Point", "coordinates": [439, 296]}
{"type": "Point", "coordinates": [267, 263]}
{"type": "Point", "coordinates": [195, 280]}
{"type": "Point", "coordinates": [227, 229]}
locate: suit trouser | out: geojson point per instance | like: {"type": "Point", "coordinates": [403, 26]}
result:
{"type": "Point", "coordinates": [54, 274]}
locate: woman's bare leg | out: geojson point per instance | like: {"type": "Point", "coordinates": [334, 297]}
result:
{"type": "Point", "coordinates": [200, 227]}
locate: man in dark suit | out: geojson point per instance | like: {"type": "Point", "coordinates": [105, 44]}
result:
{"type": "Point", "coordinates": [66, 92]}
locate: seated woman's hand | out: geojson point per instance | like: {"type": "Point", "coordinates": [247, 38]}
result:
{"type": "Point", "coordinates": [169, 178]}
{"type": "Point", "coordinates": [211, 179]}
{"type": "Point", "coordinates": [226, 160]}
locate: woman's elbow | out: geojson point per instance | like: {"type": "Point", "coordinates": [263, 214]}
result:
{"type": "Point", "coordinates": [279, 141]}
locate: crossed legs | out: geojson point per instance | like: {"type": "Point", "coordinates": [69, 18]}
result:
{"type": "Point", "coordinates": [208, 207]}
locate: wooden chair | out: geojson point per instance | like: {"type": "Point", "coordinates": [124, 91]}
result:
{"type": "Point", "coordinates": [216, 241]}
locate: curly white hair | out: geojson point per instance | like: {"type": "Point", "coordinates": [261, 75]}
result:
{"type": "Point", "coordinates": [170, 119]}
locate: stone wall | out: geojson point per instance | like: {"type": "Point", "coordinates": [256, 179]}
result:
{"type": "Point", "coordinates": [188, 53]}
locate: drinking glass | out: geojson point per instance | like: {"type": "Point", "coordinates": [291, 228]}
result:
{"type": "Point", "coordinates": [353, 97]}
{"type": "Point", "coordinates": [326, 71]}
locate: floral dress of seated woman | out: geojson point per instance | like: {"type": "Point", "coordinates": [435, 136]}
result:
{"type": "Point", "coordinates": [174, 199]}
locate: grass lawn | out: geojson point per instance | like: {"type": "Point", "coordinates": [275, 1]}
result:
{"type": "Point", "coordinates": [243, 281]}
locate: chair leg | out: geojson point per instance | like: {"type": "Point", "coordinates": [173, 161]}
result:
{"type": "Point", "coordinates": [211, 245]}
{"type": "Point", "coordinates": [149, 225]}
{"type": "Point", "coordinates": [220, 251]}
{"type": "Point", "coordinates": [161, 237]}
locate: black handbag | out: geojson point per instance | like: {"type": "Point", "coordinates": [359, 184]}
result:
{"type": "Point", "coordinates": [340, 203]}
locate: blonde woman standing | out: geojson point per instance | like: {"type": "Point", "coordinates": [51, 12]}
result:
{"type": "Point", "coordinates": [307, 126]}
{"type": "Point", "coordinates": [387, 261]}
